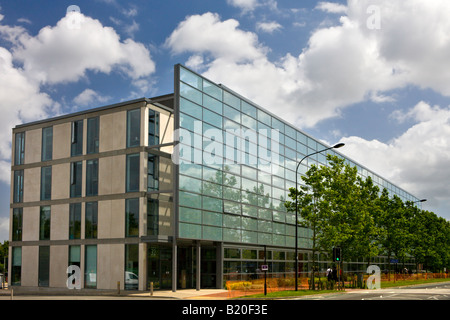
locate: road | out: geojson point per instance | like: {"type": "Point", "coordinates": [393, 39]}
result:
{"type": "Point", "coordinates": [435, 291]}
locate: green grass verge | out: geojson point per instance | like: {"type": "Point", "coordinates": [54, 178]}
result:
{"type": "Point", "coordinates": [402, 283]}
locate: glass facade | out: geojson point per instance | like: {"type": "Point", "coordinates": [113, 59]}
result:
{"type": "Point", "coordinates": [236, 165]}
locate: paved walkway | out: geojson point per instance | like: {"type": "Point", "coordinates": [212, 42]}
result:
{"type": "Point", "coordinates": [204, 294]}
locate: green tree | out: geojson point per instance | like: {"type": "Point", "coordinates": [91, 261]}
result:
{"type": "Point", "coordinates": [337, 204]}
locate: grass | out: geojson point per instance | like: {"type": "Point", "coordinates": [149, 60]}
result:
{"type": "Point", "coordinates": [384, 284]}
{"type": "Point", "coordinates": [402, 283]}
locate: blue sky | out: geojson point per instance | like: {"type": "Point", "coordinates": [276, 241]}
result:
{"type": "Point", "coordinates": [370, 73]}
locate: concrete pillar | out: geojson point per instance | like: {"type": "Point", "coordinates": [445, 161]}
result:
{"type": "Point", "coordinates": [199, 262]}
{"type": "Point", "coordinates": [174, 266]}
{"type": "Point", "coordinates": [219, 265]}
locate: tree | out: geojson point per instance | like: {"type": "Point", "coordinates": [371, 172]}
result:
{"type": "Point", "coordinates": [336, 204]}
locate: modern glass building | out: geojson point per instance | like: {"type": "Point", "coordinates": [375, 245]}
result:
{"type": "Point", "coordinates": [185, 190]}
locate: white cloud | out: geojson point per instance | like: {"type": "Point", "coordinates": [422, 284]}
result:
{"type": "Point", "coordinates": [341, 66]}
{"type": "Point", "coordinates": [60, 54]}
{"type": "Point", "coordinates": [417, 160]}
{"type": "Point", "coordinates": [268, 27]}
{"type": "Point", "coordinates": [20, 101]}
{"type": "Point", "coordinates": [331, 7]}
{"type": "Point", "coordinates": [88, 97]}
{"type": "Point", "coordinates": [65, 52]}
{"type": "Point", "coordinates": [244, 5]}
{"type": "Point", "coordinates": [4, 229]}
{"type": "Point", "coordinates": [208, 34]}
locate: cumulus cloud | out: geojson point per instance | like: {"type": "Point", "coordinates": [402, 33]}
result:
{"type": "Point", "coordinates": [331, 7]}
{"type": "Point", "coordinates": [244, 5]}
{"type": "Point", "coordinates": [20, 101]}
{"type": "Point", "coordinates": [268, 27]}
{"type": "Point", "coordinates": [342, 65]}
{"type": "Point", "coordinates": [88, 97]}
{"type": "Point", "coordinates": [208, 34]}
{"type": "Point", "coordinates": [418, 159]}
{"type": "Point", "coordinates": [65, 52]}
{"type": "Point", "coordinates": [60, 54]}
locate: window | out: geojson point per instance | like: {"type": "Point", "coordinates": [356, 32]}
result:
{"type": "Point", "coordinates": [19, 149]}
{"type": "Point", "coordinates": [44, 266]}
{"type": "Point", "coordinates": [92, 135]}
{"type": "Point", "coordinates": [44, 223]}
{"type": "Point", "coordinates": [18, 186]}
{"type": "Point", "coordinates": [75, 221]}
{"type": "Point", "coordinates": [153, 127]}
{"type": "Point", "coordinates": [91, 220]}
{"type": "Point", "coordinates": [16, 266]}
{"type": "Point", "coordinates": [153, 173]}
{"type": "Point", "coordinates": [152, 217]}
{"type": "Point", "coordinates": [76, 172]}
{"type": "Point", "coordinates": [132, 179]}
{"type": "Point", "coordinates": [46, 183]}
{"type": "Point", "coordinates": [47, 144]}
{"type": "Point", "coordinates": [131, 266]}
{"type": "Point", "coordinates": [74, 256]}
{"type": "Point", "coordinates": [132, 217]}
{"type": "Point", "coordinates": [17, 224]}
{"type": "Point", "coordinates": [133, 128]}
{"type": "Point", "coordinates": [77, 138]}
{"type": "Point", "coordinates": [90, 267]}
{"type": "Point", "coordinates": [92, 177]}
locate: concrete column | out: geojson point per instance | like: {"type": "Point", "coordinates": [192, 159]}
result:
{"type": "Point", "coordinates": [219, 265]}
{"type": "Point", "coordinates": [199, 262]}
{"type": "Point", "coordinates": [174, 266]}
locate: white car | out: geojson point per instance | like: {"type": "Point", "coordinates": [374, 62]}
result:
{"type": "Point", "coordinates": [131, 281]}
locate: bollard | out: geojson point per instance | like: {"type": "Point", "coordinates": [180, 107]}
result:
{"type": "Point", "coordinates": [118, 287]}
{"type": "Point", "coordinates": [151, 288]}
{"type": "Point", "coordinates": [12, 293]}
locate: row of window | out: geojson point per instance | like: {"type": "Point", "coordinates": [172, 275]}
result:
{"type": "Point", "coordinates": [90, 220]}
{"type": "Point", "coordinates": [93, 136]}
{"type": "Point", "coordinates": [76, 178]}
{"type": "Point", "coordinates": [90, 265]}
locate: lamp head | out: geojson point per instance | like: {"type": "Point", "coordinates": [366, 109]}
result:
{"type": "Point", "coordinates": [339, 145]}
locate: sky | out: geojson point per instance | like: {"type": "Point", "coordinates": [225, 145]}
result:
{"type": "Point", "coordinates": [370, 73]}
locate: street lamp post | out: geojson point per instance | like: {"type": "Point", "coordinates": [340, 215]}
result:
{"type": "Point", "coordinates": [339, 145]}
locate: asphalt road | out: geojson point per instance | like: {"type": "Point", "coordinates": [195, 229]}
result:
{"type": "Point", "coordinates": [435, 291]}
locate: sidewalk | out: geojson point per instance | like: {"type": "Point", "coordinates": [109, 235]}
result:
{"type": "Point", "coordinates": [188, 294]}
